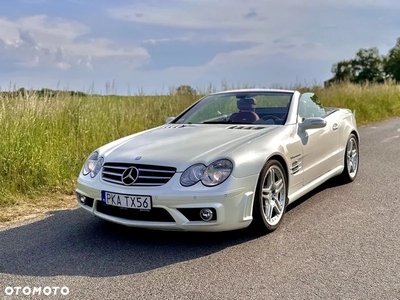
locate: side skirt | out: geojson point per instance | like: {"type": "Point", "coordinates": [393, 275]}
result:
{"type": "Point", "coordinates": [315, 183]}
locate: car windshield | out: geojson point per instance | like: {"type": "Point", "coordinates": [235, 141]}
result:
{"type": "Point", "coordinates": [239, 108]}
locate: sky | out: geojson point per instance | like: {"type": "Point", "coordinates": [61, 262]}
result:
{"type": "Point", "coordinates": [151, 46]}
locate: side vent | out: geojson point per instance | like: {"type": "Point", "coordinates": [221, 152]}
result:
{"type": "Point", "coordinates": [296, 167]}
{"type": "Point", "coordinates": [174, 126]}
{"type": "Point", "coordinates": [244, 127]}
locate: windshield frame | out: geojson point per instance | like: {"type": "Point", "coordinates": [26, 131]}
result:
{"type": "Point", "coordinates": [237, 94]}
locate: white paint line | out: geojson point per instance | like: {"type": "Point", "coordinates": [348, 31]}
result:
{"type": "Point", "coordinates": [389, 139]}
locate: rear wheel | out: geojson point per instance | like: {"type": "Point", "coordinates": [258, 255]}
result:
{"type": "Point", "coordinates": [271, 197]}
{"type": "Point", "coordinates": [351, 159]}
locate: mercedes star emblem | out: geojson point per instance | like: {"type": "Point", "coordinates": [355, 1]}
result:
{"type": "Point", "coordinates": [130, 175]}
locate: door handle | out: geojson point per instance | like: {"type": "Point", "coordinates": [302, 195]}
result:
{"type": "Point", "coordinates": [335, 127]}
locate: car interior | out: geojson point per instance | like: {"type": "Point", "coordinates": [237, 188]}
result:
{"type": "Point", "coordinates": [250, 114]}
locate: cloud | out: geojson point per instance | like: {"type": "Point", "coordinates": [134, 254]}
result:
{"type": "Point", "coordinates": [300, 22]}
{"type": "Point", "coordinates": [250, 15]}
{"type": "Point", "coordinates": [203, 14]}
{"type": "Point", "coordinates": [45, 42]}
{"type": "Point", "coordinates": [235, 14]}
{"type": "Point", "coordinates": [154, 43]}
{"type": "Point", "coordinates": [258, 24]}
{"type": "Point", "coordinates": [188, 37]}
{"type": "Point", "coordinates": [26, 37]}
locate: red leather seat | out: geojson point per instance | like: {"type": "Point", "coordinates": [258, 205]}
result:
{"type": "Point", "coordinates": [246, 112]}
{"type": "Point", "coordinates": [244, 117]}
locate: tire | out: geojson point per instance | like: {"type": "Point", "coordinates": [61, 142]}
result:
{"type": "Point", "coordinates": [270, 204]}
{"type": "Point", "coordinates": [351, 160]}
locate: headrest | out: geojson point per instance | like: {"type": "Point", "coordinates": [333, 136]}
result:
{"type": "Point", "coordinates": [246, 103]}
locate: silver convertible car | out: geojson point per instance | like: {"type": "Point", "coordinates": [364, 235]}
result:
{"type": "Point", "coordinates": [232, 159]}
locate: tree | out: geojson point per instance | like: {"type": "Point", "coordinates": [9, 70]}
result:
{"type": "Point", "coordinates": [343, 71]}
{"type": "Point", "coordinates": [392, 62]}
{"type": "Point", "coordinates": [185, 90]}
{"type": "Point", "coordinates": [368, 66]}
{"type": "Point", "coordinates": [22, 91]}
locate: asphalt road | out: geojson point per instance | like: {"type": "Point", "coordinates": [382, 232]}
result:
{"type": "Point", "coordinates": [340, 242]}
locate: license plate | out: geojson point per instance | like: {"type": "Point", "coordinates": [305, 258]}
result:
{"type": "Point", "coordinates": [126, 201]}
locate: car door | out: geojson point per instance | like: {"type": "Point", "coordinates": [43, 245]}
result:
{"type": "Point", "coordinates": [319, 144]}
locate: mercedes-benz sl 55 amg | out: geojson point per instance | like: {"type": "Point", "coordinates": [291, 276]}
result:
{"type": "Point", "coordinates": [232, 159]}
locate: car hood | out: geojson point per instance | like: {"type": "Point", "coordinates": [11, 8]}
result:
{"type": "Point", "coordinates": [180, 146]}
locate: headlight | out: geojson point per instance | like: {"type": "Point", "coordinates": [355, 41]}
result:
{"type": "Point", "coordinates": [217, 172]}
{"type": "Point", "coordinates": [214, 174]}
{"type": "Point", "coordinates": [192, 174]}
{"type": "Point", "coordinates": [93, 165]}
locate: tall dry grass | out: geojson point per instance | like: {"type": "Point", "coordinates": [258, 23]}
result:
{"type": "Point", "coordinates": [372, 103]}
{"type": "Point", "coordinates": [45, 140]}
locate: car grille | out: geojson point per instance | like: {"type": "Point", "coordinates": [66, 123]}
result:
{"type": "Point", "coordinates": [148, 175]}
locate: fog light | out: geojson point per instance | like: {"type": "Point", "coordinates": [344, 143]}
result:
{"type": "Point", "coordinates": [82, 198]}
{"type": "Point", "coordinates": [206, 214]}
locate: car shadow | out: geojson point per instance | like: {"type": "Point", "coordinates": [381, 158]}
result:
{"type": "Point", "coordinates": [331, 183]}
{"type": "Point", "coordinates": [72, 242]}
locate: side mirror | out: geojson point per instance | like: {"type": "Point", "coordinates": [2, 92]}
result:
{"type": "Point", "coordinates": [169, 119]}
{"type": "Point", "coordinates": [312, 123]}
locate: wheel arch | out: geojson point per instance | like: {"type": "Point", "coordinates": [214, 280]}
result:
{"type": "Point", "coordinates": [356, 134]}
{"type": "Point", "coordinates": [258, 223]}
{"type": "Point", "coordinates": [280, 158]}
{"type": "Point", "coordinates": [275, 156]}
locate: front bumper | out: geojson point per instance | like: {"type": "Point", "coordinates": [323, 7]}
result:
{"type": "Point", "coordinates": [175, 207]}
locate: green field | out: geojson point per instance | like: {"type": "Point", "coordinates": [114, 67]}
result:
{"type": "Point", "coordinates": [45, 140]}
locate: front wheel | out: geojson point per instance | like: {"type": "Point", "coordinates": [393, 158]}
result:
{"type": "Point", "coordinates": [351, 160]}
{"type": "Point", "coordinates": [271, 197]}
